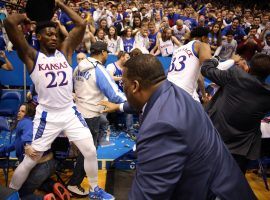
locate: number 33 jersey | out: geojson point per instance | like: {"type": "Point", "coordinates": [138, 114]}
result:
{"type": "Point", "coordinates": [185, 68]}
{"type": "Point", "coordinates": [52, 77]}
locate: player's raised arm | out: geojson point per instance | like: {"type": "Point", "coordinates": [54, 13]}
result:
{"type": "Point", "coordinates": [75, 36]}
{"type": "Point", "coordinates": [26, 53]}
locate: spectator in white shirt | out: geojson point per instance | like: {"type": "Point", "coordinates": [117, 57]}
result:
{"type": "Point", "coordinates": [180, 29]}
{"type": "Point", "coordinates": [142, 40]}
{"type": "Point", "coordinates": [101, 12]}
{"type": "Point", "coordinates": [115, 43]}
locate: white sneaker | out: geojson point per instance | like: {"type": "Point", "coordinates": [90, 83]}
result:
{"type": "Point", "coordinates": [77, 190]}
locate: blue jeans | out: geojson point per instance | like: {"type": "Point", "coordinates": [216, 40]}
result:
{"type": "Point", "coordinates": [38, 176]}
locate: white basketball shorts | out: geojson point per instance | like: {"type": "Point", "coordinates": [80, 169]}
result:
{"type": "Point", "coordinates": [49, 124]}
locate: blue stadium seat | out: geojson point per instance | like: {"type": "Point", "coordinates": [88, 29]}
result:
{"type": "Point", "coordinates": [9, 104]}
{"type": "Point", "coordinates": [5, 138]}
{"type": "Point", "coordinates": [3, 124]}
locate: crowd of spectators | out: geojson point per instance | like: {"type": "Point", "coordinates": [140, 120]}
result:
{"type": "Point", "coordinates": [158, 27]}
{"type": "Point", "coordinates": [155, 27]}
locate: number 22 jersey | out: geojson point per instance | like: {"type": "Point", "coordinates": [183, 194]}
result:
{"type": "Point", "coordinates": [185, 68]}
{"type": "Point", "coordinates": [52, 77]}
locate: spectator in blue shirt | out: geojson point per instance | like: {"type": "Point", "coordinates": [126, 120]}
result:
{"type": "Point", "coordinates": [172, 16]}
{"type": "Point", "coordinates": [66, 20]}
{"type": "Point", "coordinates": [39, 176]}
{"type": "Point", "coordinates": [239, 33]}
{"type": "Point", "coordinates": [86, 7]}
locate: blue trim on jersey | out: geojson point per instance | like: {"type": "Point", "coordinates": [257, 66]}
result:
{"type": "Point", "coordinates": [108, 86]}
{"type": "Point", "coordinates": [34, 63]}
{"type": "Point", "coordinates": [193, 50]}
{"type": "Point", "coordinates": [118, 73]}
{"type": "Point", "coordinates": [79, 115]}
{"type": "Point", "coordinates": [41, 126]}
{"type": "Point", "coordinates": [65, 58]}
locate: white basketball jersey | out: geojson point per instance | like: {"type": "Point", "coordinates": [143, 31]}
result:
{"type": "Point", "coordinates": [185, 68]}
{"type": "Point", "coordinates": [52, 77]}
{"type": "Point", "coordinates": [166, 48]}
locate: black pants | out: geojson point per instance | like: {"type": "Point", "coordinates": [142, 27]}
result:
{"type": "Point", "coordinates": [78, 172]}
{"type": "Point", "coordinates": [242, 162]}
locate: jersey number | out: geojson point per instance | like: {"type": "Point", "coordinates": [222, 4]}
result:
{"type": "Point", "coordinates": [53, 75]}
{"type": "Point", "coordinates": [181, 60]}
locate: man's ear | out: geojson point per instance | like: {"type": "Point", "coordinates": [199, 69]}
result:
{"type": "Point", "coordinates": [38, 37]}
{"type": "Point", "coordinates": [136, 86]}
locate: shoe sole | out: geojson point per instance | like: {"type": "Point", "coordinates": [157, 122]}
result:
{"type": "Point", "coordinates": [61, 192]}
{"type": "Point", "coordinates": [50, 198]}
{"type": "Point", "coordinates": [73, 194]}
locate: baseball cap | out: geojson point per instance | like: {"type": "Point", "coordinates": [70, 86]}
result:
{"type": "Point", "coordinates": [98, 47]}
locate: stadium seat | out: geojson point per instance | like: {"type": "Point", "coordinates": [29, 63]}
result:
{"type": "Point", "coordinates": [9, 104]}
{"type": "Point", "coordinates": [3, 124]}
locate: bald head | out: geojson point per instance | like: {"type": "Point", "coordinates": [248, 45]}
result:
{"type": "Point", "coordinates": [179, 22]}
{"type": "Point", "coordinates": [80, 57]}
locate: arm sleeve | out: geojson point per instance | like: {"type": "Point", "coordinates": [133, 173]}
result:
{"type": "Point", "coordinates": [226, 64]}
{"type": "Point", "coordinates": [96, 15]}
{"type": "Point", "coordinates": [107, 85]}
{"type": "Point", "coordinates": [217, 52]}
{"type": "Point", "coordinates": [121, 45]}
{"type": "Point", "coordinates": [161, 160]}
{"type": "Point", "coordinates": [242, 32]}
{"type": "Point", "coordinates": [209, 70]}
{"type": "Point", "coordinates": [109, 21]}
{"type": "Point", "coordinates": [128, 108]}
{"type": "Point", "coordinates": [225, 30]}
{"type": "Point", "coordinates": [8, 148]}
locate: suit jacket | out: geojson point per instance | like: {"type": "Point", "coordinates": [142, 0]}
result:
{"type": "Point", "coordinates": [180, 154]}
{"type": "Point", "coordinates": [237, 109]}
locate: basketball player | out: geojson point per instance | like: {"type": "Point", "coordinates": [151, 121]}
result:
{"type": "Point", "coordinates": [184, 70]}
{"type": "Point", "coordinates": [51, 73]}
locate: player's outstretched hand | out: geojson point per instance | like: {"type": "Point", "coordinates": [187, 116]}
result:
{"type": "Point", "coordinates": [109, 107]}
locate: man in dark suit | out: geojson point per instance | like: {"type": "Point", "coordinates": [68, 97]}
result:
{"type": "Point", "coordinates": [239, 106]}
{"type": "Point", "coordinates": [180, 153]}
